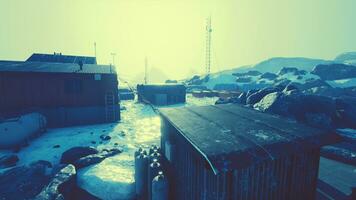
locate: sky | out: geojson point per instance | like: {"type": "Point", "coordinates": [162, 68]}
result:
{"type": "Point", "coordinates": [171, 33]}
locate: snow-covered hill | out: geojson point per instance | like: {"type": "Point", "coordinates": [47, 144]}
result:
{"type": "Point", "coordinates": [272, 72]}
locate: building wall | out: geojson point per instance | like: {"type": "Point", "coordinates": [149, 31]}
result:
{"type": "Point", "coordinates": [76, 93]}
{"type": "Point", "coordinates": [162, 94]}
{"type": "Point", "coordinates": [190, 176]}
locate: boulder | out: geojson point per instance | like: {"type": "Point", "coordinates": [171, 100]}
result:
{"type": "Point", "coordinates": [24, 182]}
{"type": "Point", "coordinates": [95, 158]}
{"type": "Point", "coordinates": [243, 79]}
{"type": "Point", "coordinates": [8, 161]}
{"type": "Point", "coordinates": [73, 154]}
{"type": "Point", "coordinates": [257, 96]}
{"type": "Point", "coordinates": [269, 75]}
{"type": "Point", "coordinates": [346, 111]}
{"type": "Point", "coordinates": [105, 137]}
{"type": "Point", "coordinates": [287, 70]}
{"type": "Point", "coordinates": [298, 106]}
{"type": "Point", "coordinates": [61, 186]}
{"type": "Point", "coordinates": [335, 71]}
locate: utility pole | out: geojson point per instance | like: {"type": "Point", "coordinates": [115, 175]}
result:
{"type": "Point", "coordinates": [113, 61]}
{"type": "Point", "coordinates": [95, 49]}
{"type": "Point", "coordinates": [113, 58]}
{"type": "Point", "coordinates": [208, 46]}
{"type": "Point", "coordinates": [146, 65]}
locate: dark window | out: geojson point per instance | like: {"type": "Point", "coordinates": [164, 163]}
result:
{"type": "Point", "coordinates": [73, 86]}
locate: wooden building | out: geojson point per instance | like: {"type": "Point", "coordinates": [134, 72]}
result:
{"type": "Point", "coordinates": [68, 90]}
{"type": "Point", "coordinates": [232, 152]}
{"type": "Point", "coordinates": [161, 95]}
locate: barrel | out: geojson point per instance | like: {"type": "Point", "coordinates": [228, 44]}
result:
{"type": "Point", "coordinates": [141, 165]}
{"type": "Point", "coordinates": [160, 187]}
{"type": "Point", "coordinates": [153, 170]}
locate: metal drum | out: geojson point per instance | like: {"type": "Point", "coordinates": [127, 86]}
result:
{"type": "Point", "coordinates": [141, 165]}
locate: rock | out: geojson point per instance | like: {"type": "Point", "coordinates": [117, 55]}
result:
{"type": "Point", "coordinates": [257, 96]}
{"type": "Point", "coordinates": [346, 111]}
{"type": "Point", "coordinates": [56, 146]}
{"type": "Point", "coordinates": [296, 105]}
{"type": "Point", "coordinates": [249, 73]}
{"type": "Point", "coordinates": [291, 86]}
{"type": "Point", "coordinates": [269, 75]}
{"type": "Point", "coordinates": [105, 137]}
{"type": "Point", "coordinates": [8, 161]}
{"type": "Point", "coordinates": [24, 182]}
{"type": "Point", "coordinates": [61, 186]}
{"type": "Point", "coordinates": [96, 158]}
{"type": "Point", "coordinates": [286, 70]}
{"type": "Point", "coordinates": [335, 71]}
{"type": "Point", "coordinates": [243, 79]}
{"type": "Point", "coordinates": [73, 154]}
{"type": "Point", "coordinates": [314, 83]}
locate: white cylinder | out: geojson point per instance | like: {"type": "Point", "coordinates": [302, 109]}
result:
{"type": "Point", "coordinates": [141, 165]}
{"type": "Point", "coordinates": [160, 187]}
{"type": "Point", "coordinates": [153, 170]}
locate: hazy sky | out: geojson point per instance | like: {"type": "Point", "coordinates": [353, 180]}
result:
{"type": "Point", "coordinates": [171, 33]}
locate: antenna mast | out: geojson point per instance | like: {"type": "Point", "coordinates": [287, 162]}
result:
{"type": "Point", "coordinates": [146, 64]}
{"type": "Point", "coordinates": [208, 45]}
{"type": "Point", "coordinates": [95, 49]}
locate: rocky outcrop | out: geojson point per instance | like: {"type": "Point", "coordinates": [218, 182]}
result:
{"type": "Point", "coordinates": [25, 182]}
{"type": "Point", "coordinates": [8, 161]}
{"type": "Point", "coordinates": [335, 71]}
{"type": "Point", "coordinates": [84, 156]}
{"type": "Point", "coordinates": [257, 96]}
{"type": "Point", "coordinates": [95, 158]}
{"type": "Point", "coordinates": [269, 75]}
{"type": "Point", "coordinates": [61, 186]}
{"type": "Point", "coordinates": [243, 79]}
{"type": "Point", "coordinates": [75, 153]}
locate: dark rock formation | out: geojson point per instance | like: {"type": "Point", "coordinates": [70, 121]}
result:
{"type": "Point", "coordinates": [8, 161]}
{"type": "Point", "coordinates": [73, 154]}
{"type": "Point", "coordinates": [269, 75]}
{"type": "Point", "coordinates": [95, 158]}
{"type": "Point", "coordinates": [105, 137]}
{"type": "Point", "coordinates": [335, 71]}
{"type": "Point", "coordinates": [257, 96]}
{"type": "Point", "coordinates": [61, 186]}
{"type": "Point", "coordinates": [243, 79]}
{"type": "Point", "coordinates": [24, 182]}
{"type": "Point", "coordinates": [286, 70]}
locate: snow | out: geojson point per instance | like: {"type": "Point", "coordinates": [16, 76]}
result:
{"type": "Point", "coordinates": [114, 177]}
{"type": "Point", "coordinates": [343, 83]}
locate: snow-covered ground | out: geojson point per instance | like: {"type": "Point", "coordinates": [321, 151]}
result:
{"type": "Point", "coordinates": [114, 177]}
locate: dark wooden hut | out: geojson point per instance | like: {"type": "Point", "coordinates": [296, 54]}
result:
{"type": "Point", "coordinates": [231, 152]}
{"type": "Point", "coordinates": [161, 95]}
{"type": "Point", "coordinates": [68, 90]}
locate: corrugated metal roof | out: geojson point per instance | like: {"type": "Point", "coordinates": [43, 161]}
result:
{"type": "Point", "coordinates": [19, 66]}
{"type": "Point", "coordinates": [232, 137]}
{"type": "Point", "coordinates": [59, 58]}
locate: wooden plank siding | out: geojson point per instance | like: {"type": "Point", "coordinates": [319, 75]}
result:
{"type": "Point", "coordinates": [26, 90]}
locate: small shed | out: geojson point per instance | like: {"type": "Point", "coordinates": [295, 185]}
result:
{"type": "Point", "coordinates": [231, 152]}
{"type": "Point", "coordinates": [160, 95]}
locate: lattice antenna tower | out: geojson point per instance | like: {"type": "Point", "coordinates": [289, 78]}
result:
{"type": "Point", "coordinates": [208, 45]}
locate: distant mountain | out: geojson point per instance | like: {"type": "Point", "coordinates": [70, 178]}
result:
{"type": "Point", "coordinates": [276, 64]}
{"type": "Point", "coordinates": [347, 58]}
{"type": "Point", "coordinates": [273, 71]}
